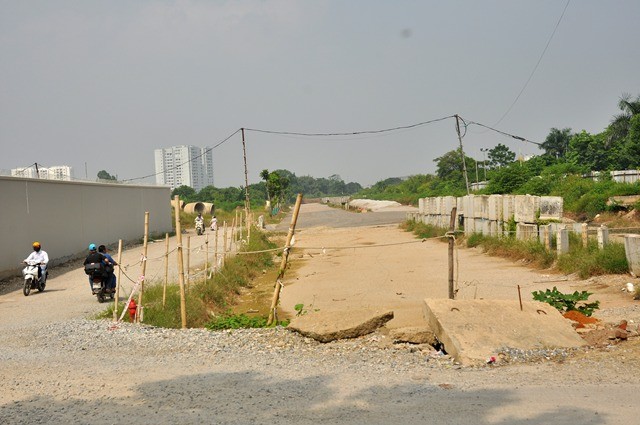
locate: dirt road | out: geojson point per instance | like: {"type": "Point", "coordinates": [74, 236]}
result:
{"type": "Point", "coordinates": [57, 367]}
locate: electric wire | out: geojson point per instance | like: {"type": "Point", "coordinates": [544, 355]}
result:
{"type": "Point", "coordinates": [351, 133]}
{"type": "Point", "coordinates": [536, 66]}
{"type": "Point", "coordinates": [188, 161]}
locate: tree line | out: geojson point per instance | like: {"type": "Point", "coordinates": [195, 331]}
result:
{"type": "Point", "coordinates": [277, 186]}
{"type": "Point", "coordinates": [557, 171]}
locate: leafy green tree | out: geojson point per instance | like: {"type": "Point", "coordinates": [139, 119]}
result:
{"type": "Point", "coordinates": [449, 167]}
{"type": "Point", "coordinates": [621, 123]}
{"type": "Point", "coordinates": [509, 179]}
{"type": "Point", "coordinates": [557, 142]}
{"type": "Point", "coordinates": [500, 156]}
{"type": "Point", "coordinates": [103, 175]}
{"type": "Point", "coordinates": [186, 193]}
{"type": "Point", "coordinates": [590, 151]}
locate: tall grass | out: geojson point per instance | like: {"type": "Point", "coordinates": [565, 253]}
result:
{"type": "Point", "coordinates": [204, 299]}
{"type": "Point", "coordinates": [585, 261]}
{"type": "Point", "coordinates": [423, 230]}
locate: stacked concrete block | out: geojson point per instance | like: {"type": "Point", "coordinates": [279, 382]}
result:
{"type": "Point", "coordinates": [632, 251]}
{"type": "Point", "coordinates": [603, 236]}
{"type": "Point", "coordinates": [494, 207]}
{"type": "Point", "coordinates": [481, 206]}
{"type": "Point", "coordinates": [526, 208]}
{"type": "Point", "coordinates": [562, 240]}
{"type": "Point", "coordinates": [421, 205]}
{"type": "Point", "coordinates": [508, 207]}
{"type": "Point", "coordinates": [551, 207]}
{"type": "Point", "coordinates": [525, 232]}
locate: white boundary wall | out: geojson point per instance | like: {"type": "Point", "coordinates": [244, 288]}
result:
{"type": "Point", "coordinates": [66, 216]}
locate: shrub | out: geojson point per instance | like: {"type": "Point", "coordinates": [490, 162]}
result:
{"type": "Point", "coordinates": [567, 302]}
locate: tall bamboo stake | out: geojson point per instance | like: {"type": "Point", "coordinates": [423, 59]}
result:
{"type": "Point", "coordinates": [115, 301]}
{"type": "Point", "coordinates": [206, 258]}
{"type": "Point", "coordinates": [166, 269]}
{"type": "Point", "coordinates": [144, 262]}
{"type": "Point", "coordinates": [215, 252]}
{"type": "Point", "coordinates": [452, 224]}
{"type": "Point", "coordinates": [183, 306]}
{"type": "Point", "coordinates": [188, 268]}
{"type": "Point", "coordinates": [283, 263]}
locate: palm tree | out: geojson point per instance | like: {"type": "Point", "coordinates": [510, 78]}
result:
{"type": "Point", "coordinates": [620, 123]}
{"type": "Point", "coordinates": [557, 142]}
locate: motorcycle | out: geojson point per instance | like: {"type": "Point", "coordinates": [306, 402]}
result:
{"type": "Point", "coordinates": [31, 281]}
{"type": "Point", "coordinates": [99, 280]}
{"type": "Point", "coordinates": [199, 227]}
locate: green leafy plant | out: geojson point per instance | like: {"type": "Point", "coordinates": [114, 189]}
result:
{"type": "Point", "coordinates": [567, 302]}
{"type": "Point", "coordinates": [239, 321]}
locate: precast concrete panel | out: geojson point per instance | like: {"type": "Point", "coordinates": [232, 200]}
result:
{"type": "Point", "coordinates": [526, 232]}
{"type": "Point", "coordinates": [508, 202]}
{"type": "Point", "coordinates": [494, 207]}
{"type": "Point", "coordinates": [551, 207]}
{"type": "Point", "coordinates": [632, 251]}
{"type": "Point", "coordinates": [421, 205]}
{"type": "Point", "coordinates": [66, 216]}
{"type": "Point", "coordinates": [526, 208]}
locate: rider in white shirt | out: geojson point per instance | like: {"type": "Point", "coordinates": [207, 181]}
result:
{"type": "Point", "coordinates": [39, 256]}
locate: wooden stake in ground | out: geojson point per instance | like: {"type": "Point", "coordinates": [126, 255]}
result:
{"type": "Point", "coordinates": [206, 258]}
{"type": "Point", "coordinates": [144, 262]}
{"type": "Point", "coordinates": [115, 301]}
{"type": "Point", "coordinates": [183, 305]}
{"type": "Point", "coordinates": [166, 269]}
{"type": "Point", "coordinates": [585, 234]}
{"type": "Point", "coordinates": [452, 227]}
{"type": "Point", "coordinates": [224, 240]}
{"type": "Point", "coordinates": [283, 263]}
{"type": "Point", "coordinates": [215, 252]}
{"type": "Point", "coordinates": [188, 268]}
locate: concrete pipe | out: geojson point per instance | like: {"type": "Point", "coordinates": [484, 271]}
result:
{"type": "Point", "coordinates": [181, 204]}
{"type": "Point", "coordinates": [199, 207]}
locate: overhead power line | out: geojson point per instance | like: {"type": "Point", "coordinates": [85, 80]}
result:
{"type": "Point", "coordinates": [502, 132]}
{"type": "Point", "coordinates": [206, 151]}
{"type": "Point", "coordinates": [350, 133]}
{"type": "Point", "coordinates": [535, 68]}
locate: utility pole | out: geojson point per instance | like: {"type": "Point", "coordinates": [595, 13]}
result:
{"type": "Point", "coordinates": [247, 206]}
{"type": "Point", "coordinates": [484, 161]}
{"type": "Point", "coordinates": [464, 162]}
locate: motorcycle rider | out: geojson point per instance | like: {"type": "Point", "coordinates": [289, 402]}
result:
{"type": "Point", "coordinates": [111, 277]}
{"type": "Point", "coordinates": [94, 257]}
{"type": "Point", "coordinates": [39, 256]}
{"type": "Point", "coordinates": [200, 221]}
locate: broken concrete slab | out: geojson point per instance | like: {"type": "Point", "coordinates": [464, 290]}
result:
{"type": "Point", "coordinates": [331, 326]}
{"type": "Point", "coordinates": [473, 330]}
{"type": "Point", "coordinates": [413, 335]}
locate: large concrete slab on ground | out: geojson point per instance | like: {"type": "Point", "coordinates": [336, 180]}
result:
{"type": "Point", "coordinates": [332, 325]}
{"type": "Point", "coordinates": [474, 330]}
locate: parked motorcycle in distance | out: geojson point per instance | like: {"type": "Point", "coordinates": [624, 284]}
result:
{"type": "Point", "coordinates": [98, 275]}
{"type": "Point", "coordinates": [31, 281]}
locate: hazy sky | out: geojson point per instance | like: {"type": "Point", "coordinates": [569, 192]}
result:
{"type": "Point", "coordinates": [106, 82]}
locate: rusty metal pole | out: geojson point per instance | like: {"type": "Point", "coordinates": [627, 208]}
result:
{"type": "Point", "coordinates": [452, 224]}
{"type": "Point", "coordinates": [283, 263]}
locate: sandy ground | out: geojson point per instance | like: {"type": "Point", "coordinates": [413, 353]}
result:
{"type": "Point", "coordinates": [163, 380]}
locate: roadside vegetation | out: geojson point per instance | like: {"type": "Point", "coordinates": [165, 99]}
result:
{"type": "Point", "coordinates": [574, 165]}
{"type": "Point", "coordinates": [208, 301]}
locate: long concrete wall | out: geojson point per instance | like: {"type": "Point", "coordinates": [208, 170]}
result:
{"type": "Point", "coordinates": [66, 216]}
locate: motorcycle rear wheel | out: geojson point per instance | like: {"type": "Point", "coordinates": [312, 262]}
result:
{"type": "Point", "coordinates": [41, 286]}
{"type": "Point", "coordinates": [27, 287]}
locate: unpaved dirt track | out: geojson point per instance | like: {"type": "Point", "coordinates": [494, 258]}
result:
{"type": "Point", "coordinates": [57, 367]}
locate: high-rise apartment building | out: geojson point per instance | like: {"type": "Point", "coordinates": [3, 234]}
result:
{"type": "Point", "coordinates": [56, 172]}
{"type": "Point", "coordinates": [184, 166]}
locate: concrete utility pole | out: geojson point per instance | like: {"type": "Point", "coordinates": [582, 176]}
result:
{"type": "Point", "coordinates": [464, 162]}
